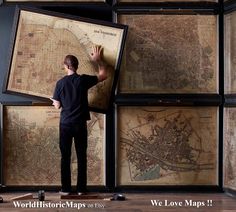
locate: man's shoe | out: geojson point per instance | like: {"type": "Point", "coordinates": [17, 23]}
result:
{"type": "Point", "coordinates": [81, 193]}
{"type": "Point", "coordinates": [64, 193]}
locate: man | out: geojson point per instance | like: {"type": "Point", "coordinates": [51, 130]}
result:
{"type": "Point", "coordinates": [71, 94]}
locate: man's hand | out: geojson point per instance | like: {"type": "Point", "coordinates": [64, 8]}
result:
{"type": "Point", "coordinates": [56, 103]}
{"type": "Point", "coordinates": [97, 57]}
{"type": "Point", "coordinates": [96, 54]}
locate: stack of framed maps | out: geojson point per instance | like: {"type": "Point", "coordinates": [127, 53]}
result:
{"type": "Point", "coordinates": [42, 40]}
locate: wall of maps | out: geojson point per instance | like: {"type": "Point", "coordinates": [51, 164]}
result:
{"type": "Point", "coordinates": [230, 148]}
{"type": "Point", "coordinates": [170, 54]}
{"type": "Point", "coordinates": [230, 52]}
{"type": "Point", "coordinates": [31, 147]}
{"type": "Point", "coordinates": [164, 54]}
{"type": "Point", "coordinates": [167, 146]}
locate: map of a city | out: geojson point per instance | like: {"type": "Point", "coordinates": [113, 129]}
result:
{"type": "Point", "coordinates": [167, 146]}
{"type": "Point", "coordinates": [170, 54]}
{"type": "Point", "coordinates": [31, 147]}
{"type": "Point", "coordinates": [230, 53]}
{"type": "Point", "coordinates": [42, 42]}
{"type": "Point", "coordinates": [230, 148]}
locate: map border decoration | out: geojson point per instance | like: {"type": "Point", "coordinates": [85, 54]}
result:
{"type": "Point", "coordinates": [101, 187]}
{"type": "Point", "coordinates": [114, 82]}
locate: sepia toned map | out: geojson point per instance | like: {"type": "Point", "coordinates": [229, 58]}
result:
{"type": "Point", "coordinates": [42, 42]}
{"type": "Point", "coordinates": [230, 52]}
{"type": "Point", "coordinates": [143, 1]}
{"type": "Point", "coordinates": [230, 148]}
{"type": "Point", "coordinates": [170, 54]}
{"type": "Point", "coordinates": [31, 147]}
{"type": "Point", "coordinates": [167, 145]}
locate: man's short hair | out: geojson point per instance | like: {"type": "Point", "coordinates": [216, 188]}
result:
{"type": "Point", "coordinates": [72, 62]}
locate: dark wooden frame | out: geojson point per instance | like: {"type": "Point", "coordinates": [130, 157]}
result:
{"type": "Point", "coordinates": [47, 187]}
{"type": "Point", "coordinates": [182, 188]}
{"type": "Point", "coordinates": [123, 28]}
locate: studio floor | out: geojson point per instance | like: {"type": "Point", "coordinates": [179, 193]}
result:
{"type": "Point", "coordinates": [138, 202]}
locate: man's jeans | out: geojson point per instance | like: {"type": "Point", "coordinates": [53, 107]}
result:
{"type": "Point", "coordinates": [79, 133]}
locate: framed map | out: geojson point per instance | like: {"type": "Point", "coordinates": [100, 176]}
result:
{"type": "Point", "coordinates": [169, 54]}
{"type": "Point", "coordinates": [167, 145]}
{"type": "Point", "coordinates": [42, 40]}
{"type": "Point", "coordinates": [229, 148]}
{"type": "Point", "coordinates": [230, 52]}
{"type": "Point", "coordinates": [31, 155]}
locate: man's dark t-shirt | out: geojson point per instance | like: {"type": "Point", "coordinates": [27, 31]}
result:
{"type": "Point", "coordinates": [72, 92]}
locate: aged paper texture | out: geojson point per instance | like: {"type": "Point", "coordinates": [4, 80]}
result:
{"type": "Point", "coordinates": [167, 146]}
{"type": "Point", "coordinates": [170, 54]}
{"type": "Point", "coordinates": [31, 147]}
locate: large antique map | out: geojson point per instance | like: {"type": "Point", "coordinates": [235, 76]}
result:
{"type": "Point", "coordinates": [230, 148]}
{"type": "Point", "coordinates": [230, 52]}
{"type": "Point", "coordinates": [31, 147]}
{"type": "Point", "coordinates": [42, 42]}
{"type": "Point", "coordinates": [167, 146]}
{"type": "Point", "coordinates": [170, 54]}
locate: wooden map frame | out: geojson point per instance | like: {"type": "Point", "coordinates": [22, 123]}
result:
{"type": "Point", "coordinates": [213, 87]}
{"type": "Point", "coordinates": [44, 107]}
{"type": "Point", "coordinates": [149, 184]}
{"type": "Point", "coordinates": [106, 88]}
